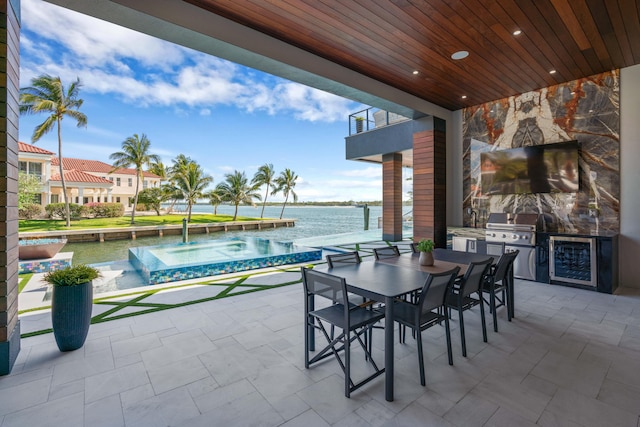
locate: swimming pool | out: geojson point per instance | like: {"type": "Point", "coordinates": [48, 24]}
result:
{"type": "Point", "coordinates": [182, 261]}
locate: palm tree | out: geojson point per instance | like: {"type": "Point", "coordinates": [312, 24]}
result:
{"type": "Point", "coordinates": [179, 164]}
{"type": "Point", "coordinates": [285, 184]}
{"type": "Point", "coordinates": [158, 168]}
{"type": "Point", "coordinates": [236, 190]}
{"type": "Point", "coordinates": [135, 151]}
{"type": "Point", "coordinates": [215, 197]}
{"type": "Point", "coordinates": [47, 95]}
{"type": "Point", "coordinates": [192, 181]}
{"type": "Point", "coordinates": [264, 176]}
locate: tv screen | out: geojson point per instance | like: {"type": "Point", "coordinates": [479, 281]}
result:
{"type": "Point", "coordinates": [551, 168]}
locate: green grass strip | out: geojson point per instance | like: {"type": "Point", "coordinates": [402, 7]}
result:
{"type": "Point", "coordinates": [24, 279]}
{"type": "Point", "coordinates": [154, 307]}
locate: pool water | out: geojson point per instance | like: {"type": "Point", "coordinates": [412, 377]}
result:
{"type": "Point", "coordinates": [169, 263]}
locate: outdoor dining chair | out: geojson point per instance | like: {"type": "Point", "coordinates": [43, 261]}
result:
{"type": "Point", "coordinates": [461, 297]}
{"type": "Point", "coordinates": [335, 260]}
{"type": "Point", "coordinates": [429, 310]}
{"type": "Point", "coordinates": [386, 252]}
{"type": "Point", "coordinates": [353, 320]}
{"type": "Point", "coordinates": [496, 284]}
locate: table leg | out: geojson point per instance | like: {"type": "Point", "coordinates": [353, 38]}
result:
{"type": "Point", "coordinates": [388, 348]}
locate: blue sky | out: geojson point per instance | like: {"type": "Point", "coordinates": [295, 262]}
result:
{"type": "Point", "coordinates": [221, 114]}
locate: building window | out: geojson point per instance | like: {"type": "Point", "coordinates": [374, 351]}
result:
{"type": "Point", "coordinates": [37, 199]}
{"type": "Point", "coordinates": [30, 168]}
{"type": "Point", "coordinates": [118, 182]}
{"type": "Point", "coordinates": [117, 199]}
{"type": "Point", "coordinates": [111, 178]}
{"type": "Point", "coordinates": [130, 182]}
{"type": "Point", "coordinates": [145, 184]}
{"type": "Point", "coordinates": [35, 169]}
{"type": "Point", "coordinates": [55, 198]}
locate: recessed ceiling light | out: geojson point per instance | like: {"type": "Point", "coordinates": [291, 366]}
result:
{"type": "Point", "coordinates": [415, 72]}
{"type": "Point", "coordinates": [517, 32]}
{"type": "Point", "coordinates": [552, 72]}
{"type": "Point", "coordinates": [461, 54]}
{"type": "Point", "coordinates": [464, 97]}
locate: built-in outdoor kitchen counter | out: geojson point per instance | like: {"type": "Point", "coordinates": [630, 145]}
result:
{"type": "Point", "coordinates": [457, 236]}
{"type": "Point", "coordinates": [588, 261]}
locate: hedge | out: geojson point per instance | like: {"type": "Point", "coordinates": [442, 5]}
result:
{"type": "Point", "coordinates": [57, 210]}
{"type": "Point", "coordinates": [30, 211]}
{"type": "Point", "coordinates": [104, 210]}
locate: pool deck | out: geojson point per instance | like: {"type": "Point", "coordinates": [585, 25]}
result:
{"type": "Point", "coordinates": [120, 284]}
{"type": "Point", "coordinates": [570, 357]}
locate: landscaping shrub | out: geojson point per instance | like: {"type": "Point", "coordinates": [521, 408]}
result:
{"type": "Point", "coordinates": [104, 210]}
{"type": "Point", "coordinates": [56, 210]}
{"type": "Point", "coordinates": [30, 211]}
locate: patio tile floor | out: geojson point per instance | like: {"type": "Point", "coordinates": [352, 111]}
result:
{"type": "Point", "coordinates": [570, 357]}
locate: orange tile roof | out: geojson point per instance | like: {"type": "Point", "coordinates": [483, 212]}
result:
{"type": "Point", "coordinates": [28, 148]}
{"type": "Point", "coordinates": [97, 166]}
{"type": "Point", "coordinates": [74, 175]}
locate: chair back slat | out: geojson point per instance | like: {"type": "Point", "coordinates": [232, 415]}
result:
{"type": "Point", "coordinates": [386, 252]}
{"type": "Point", "coordinates": [435, 290]}
{"type": "Point", "coordinates": [324, 285]}
{"type": "Point", "coordinates": [345, 258]}
{"type": "Point", "coordinates": [504, 263]}
{"type": "Point", "coordinates": [474, 276]}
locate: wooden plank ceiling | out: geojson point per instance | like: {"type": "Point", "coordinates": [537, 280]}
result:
{"type": "Point", "coordinates": [388, 40]}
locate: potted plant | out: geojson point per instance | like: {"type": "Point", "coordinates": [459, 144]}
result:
{"type": "Point", "coordinates": [71, 304]}
{"type": "Point", "coordinates": [425, 246]}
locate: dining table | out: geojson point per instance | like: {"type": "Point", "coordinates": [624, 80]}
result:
{"type": "Point", "coordinates": [387, 279]}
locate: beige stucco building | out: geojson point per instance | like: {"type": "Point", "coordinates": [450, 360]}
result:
{"type": "Point", "coordinates": [87, 181]}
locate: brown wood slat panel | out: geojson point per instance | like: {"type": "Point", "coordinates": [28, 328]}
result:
{"type": "Point", "coordinates": [386, 40]}
{"type": "Point", "coordinates": [445, 43]}
{"type": "Point", "coordinates": [557, 34]}
{"type": "Point", "coordinates": [631, 15]}
{"type": "Point", "coordinates": [476, 20]}
{"type": "Point", "coordinates": [583, 14]}
{"type": "Point", "coordinates": [617, 22]}
{"type": "Point", "coordinates": [536, 50]}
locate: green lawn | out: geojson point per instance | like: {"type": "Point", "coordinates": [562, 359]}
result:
{"type": "Point", "coordinates": [23, 280]}
{"type": "Point", "coordinates": [123, 222]}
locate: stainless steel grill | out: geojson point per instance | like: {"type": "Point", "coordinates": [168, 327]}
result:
{"type": "Point", "coordinates": [517, 232]}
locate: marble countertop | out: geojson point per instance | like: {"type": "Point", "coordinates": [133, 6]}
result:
{"type": "Point", "coordinates": [478, 233]}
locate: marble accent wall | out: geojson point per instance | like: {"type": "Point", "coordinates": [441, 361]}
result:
{"type": "Point", "coordinates": [586, 110]}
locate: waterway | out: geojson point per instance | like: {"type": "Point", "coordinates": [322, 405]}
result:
{"type": "Point", "coordinates": [311, 223]}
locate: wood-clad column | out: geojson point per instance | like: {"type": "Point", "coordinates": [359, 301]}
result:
{"type": "Point", "coordinates": [9, 92]}
{"type": "Point", "coordinates": [430, 187]}
{"type": "Point", "coordinates": [392, 197]}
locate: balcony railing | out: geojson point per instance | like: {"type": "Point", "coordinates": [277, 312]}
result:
{"type": "Point", "coordinates": [38, 176]}
{"type": "Point", "coordinates": [372, 118]}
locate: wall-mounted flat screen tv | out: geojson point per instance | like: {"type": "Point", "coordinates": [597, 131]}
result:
{"type": "Point", "coordinates": [550, 168]}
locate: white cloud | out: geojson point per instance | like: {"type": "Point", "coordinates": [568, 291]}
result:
{"type": "Point", "coordinates": [145, 71]}
{"type": "Point", "coordinates": [369, 172]}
